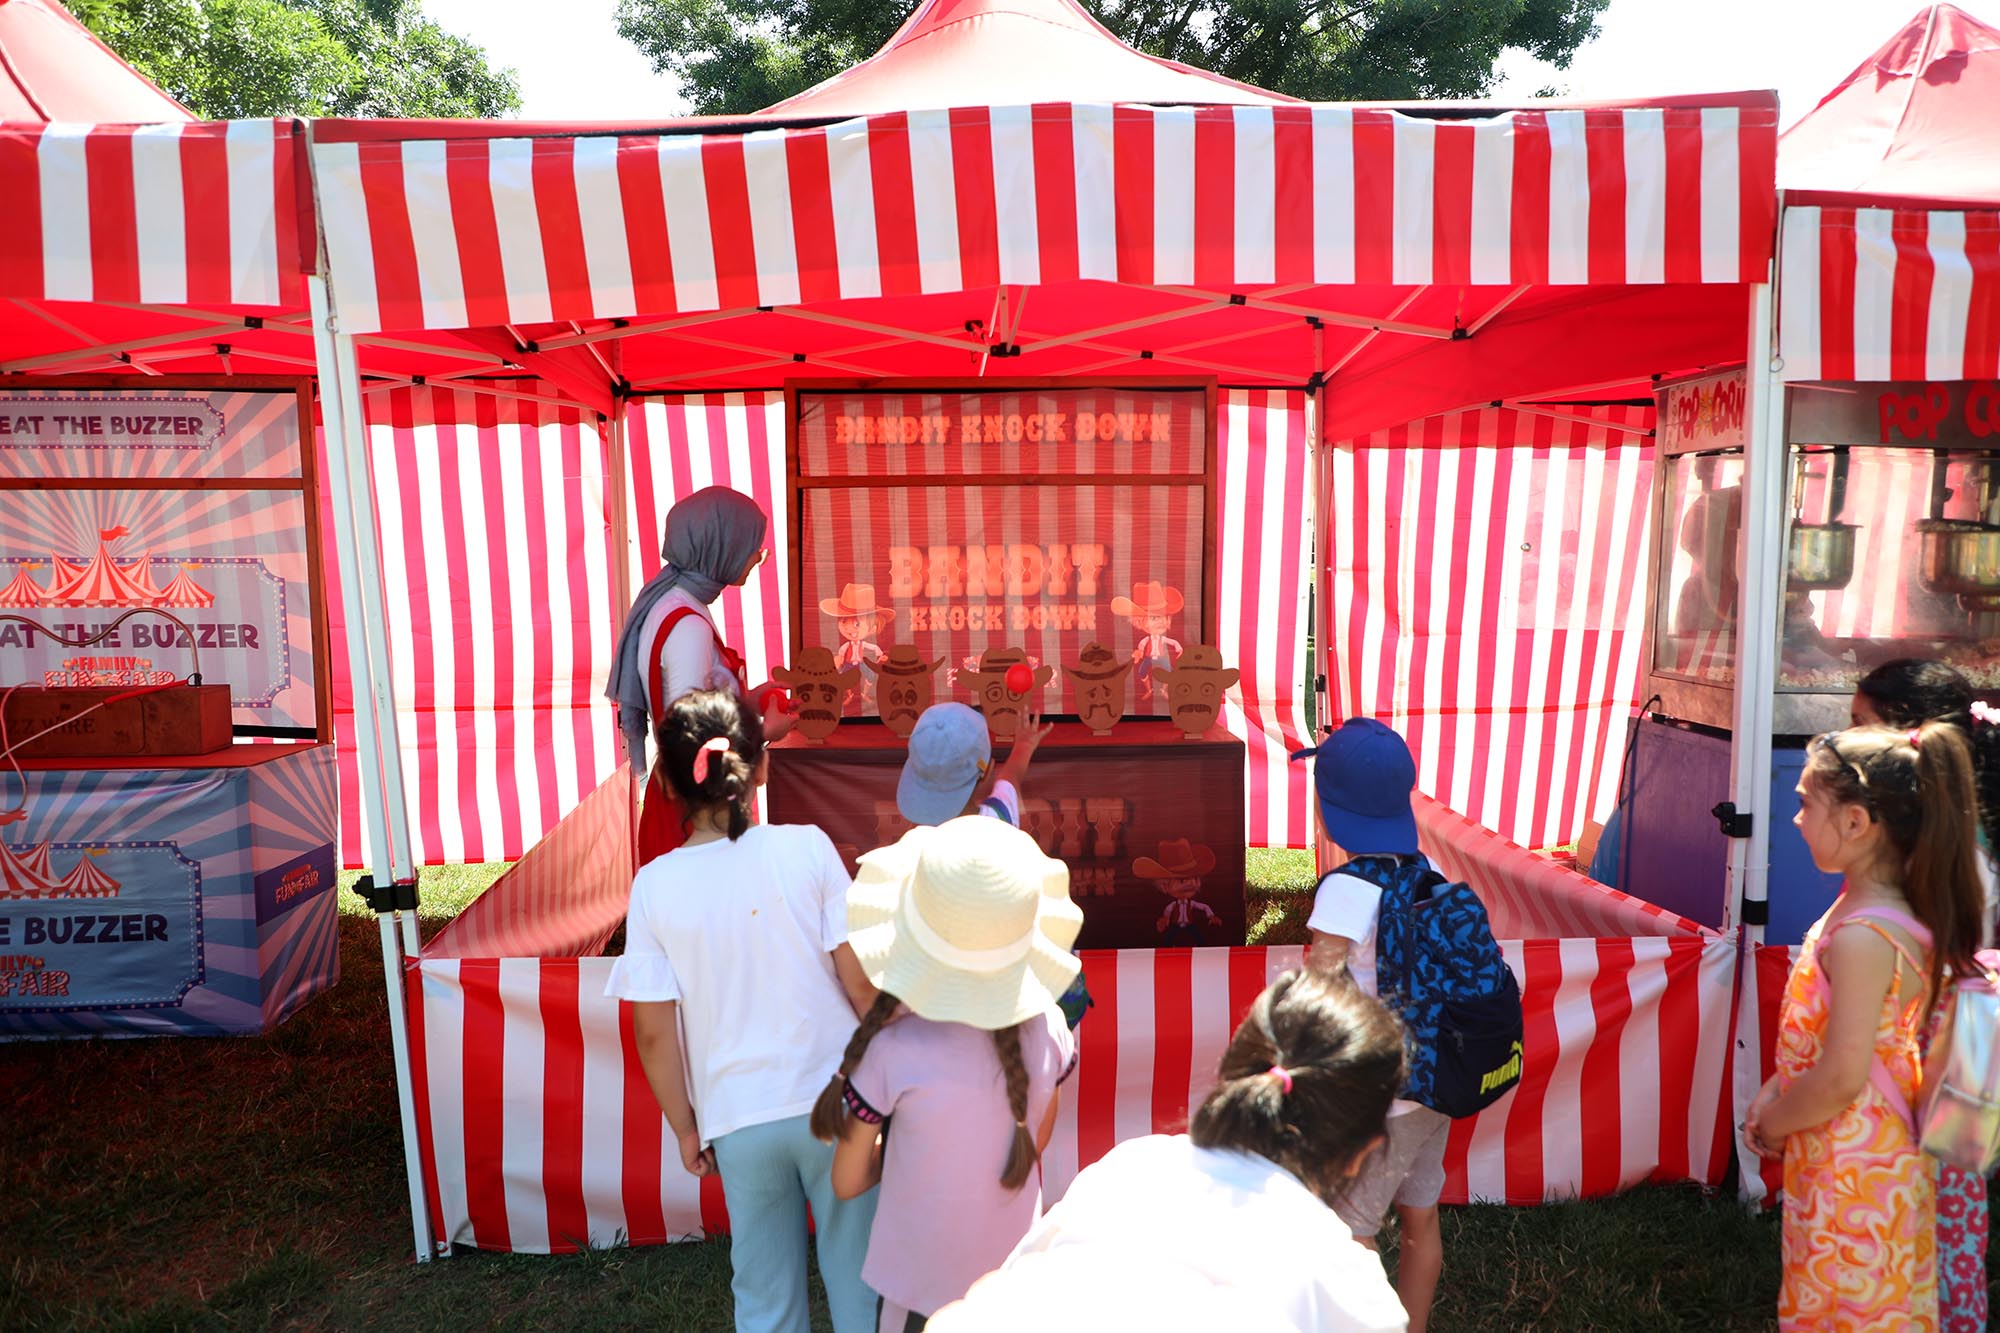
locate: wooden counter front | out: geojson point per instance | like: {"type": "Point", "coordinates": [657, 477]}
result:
{"type": "Point", "coordinates": [1149, 821]}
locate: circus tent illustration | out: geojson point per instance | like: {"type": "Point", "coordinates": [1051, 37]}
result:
{"type": "Point", "coordinates": [30, 874]}
{"type": "Point", "coordinates": [85, 880]}
{"type": "Point", "coordinates": [23, 591]}
{"type": "Point", "coordinates": [184, 591]}
{"type": "Point", "coordinates": [103, 581]}
{"type": "Point", "coordinates": [39, 861]}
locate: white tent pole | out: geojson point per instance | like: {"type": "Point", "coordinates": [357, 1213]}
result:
{"type": "Point", "coordinates": [1761, 555]}
{"type": "Point", "coordinates": [341, 407]}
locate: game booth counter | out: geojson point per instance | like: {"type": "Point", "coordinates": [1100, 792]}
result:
{"type": "Point", "coordinates": [162, 602]}
{"type": "Point", "coordinates": [1424, 323]}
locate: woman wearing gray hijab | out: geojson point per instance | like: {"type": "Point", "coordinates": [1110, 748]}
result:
{"type": "Point", "coordinates": [669, 644]}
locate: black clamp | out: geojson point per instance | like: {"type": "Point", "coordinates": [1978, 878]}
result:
{"type": "Point", "coordinates": [1734, 823]}
{"type": "Point", "coordinates": [399, 896]}
{"type": "Point", "coordinates": [1756, 912]}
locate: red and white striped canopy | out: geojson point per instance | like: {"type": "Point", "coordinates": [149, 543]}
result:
{"type": "Point", "coordinates": [168, 214]}
{"type": "Point", "coordinates": [436, 227]}
{"type": "Point", "coordinates": [1889, 294]}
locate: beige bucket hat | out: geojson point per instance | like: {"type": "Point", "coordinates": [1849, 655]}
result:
{"type": "Point", "coordinates": [966, 922]}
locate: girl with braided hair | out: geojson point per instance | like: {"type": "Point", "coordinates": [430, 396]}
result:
{"type": "Point", "coordinates": [947, 1091]}
{"type": "Point", "coordinates": [742, 986]}
{"type": "Point", "coordinates": [1892, 811]}
{"type": "Point", "coordinates": [1232, 1225]}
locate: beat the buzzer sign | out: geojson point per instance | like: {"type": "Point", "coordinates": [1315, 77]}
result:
{"type": "Point", "coordinates": [954, 521]}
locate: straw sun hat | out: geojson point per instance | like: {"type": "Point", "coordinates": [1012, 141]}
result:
{"type": "Point", "coordinates": [965, 922]}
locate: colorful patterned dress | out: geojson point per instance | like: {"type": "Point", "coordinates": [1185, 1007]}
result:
{"type": "Point", "coordinates": [1860, 1204]}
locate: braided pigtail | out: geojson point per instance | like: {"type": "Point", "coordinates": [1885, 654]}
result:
{"type": "Point", "coordinates": [829, 1113]}
{"type": "Point", "coordinates": [1021, 1150]}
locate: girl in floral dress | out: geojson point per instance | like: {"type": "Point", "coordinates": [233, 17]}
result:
{"type": "Point", "coordinates": [1893, 812]}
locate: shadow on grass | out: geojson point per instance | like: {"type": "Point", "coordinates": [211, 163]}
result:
{"type": "Point", "coordinates": [258, 1182]}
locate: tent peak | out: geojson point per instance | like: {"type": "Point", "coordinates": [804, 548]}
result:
{"type": "Point", "coordinates": [1918, 120]}
{"type": "Point", "coordinates": [52, 68]}
{"type": "Point", "coordinates": [962, 53]}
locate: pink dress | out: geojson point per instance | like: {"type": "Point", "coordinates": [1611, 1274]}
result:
{"type": "Point", "coordinates": [1860, 1209]}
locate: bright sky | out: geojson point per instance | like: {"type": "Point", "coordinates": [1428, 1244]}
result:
{"type": "Point", "coordinates": [574, 65]}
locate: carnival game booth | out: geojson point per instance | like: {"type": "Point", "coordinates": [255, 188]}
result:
{"type": "Point", "coordinates": [162, 604]}
{"type": "Point", "coordinates": [1336, 271]}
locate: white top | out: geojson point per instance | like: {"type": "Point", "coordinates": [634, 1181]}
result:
{"type": "Point", "coordinates": [689, 657]}
{"type": "Point", "coordinates": [741, 934]}
{"type": "Point", "coordinates": [1349, 907]}
{"type": "Point", "coordinates": [1003, 803]}
{"type": "Point", "coordinates": [1237, 1232]}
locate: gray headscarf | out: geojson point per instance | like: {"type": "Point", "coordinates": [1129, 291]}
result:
{"type": "Point", "coordinates": [710, 537]}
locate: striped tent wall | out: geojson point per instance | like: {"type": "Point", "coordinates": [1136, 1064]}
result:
{"type": "Point", "coordinates": [1484, 582]}
{"type": "Point", "coordinates": [497, 555]}
{"type": "Point", "coordinates": [494, 542]}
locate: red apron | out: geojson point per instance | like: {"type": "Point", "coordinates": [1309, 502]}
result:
{"type": "Point", "coordinates": [661, 825]}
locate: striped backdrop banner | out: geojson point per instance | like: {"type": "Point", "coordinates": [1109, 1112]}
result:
{"type": "Point", "coordinates": [1889, 294]}
{"type": "Point", "coordinates": [169, 214]}
{"type": "Point", "coordinates": [474, 232]}
{"type": "Point", "coordinates": [1484, 577]}
{"type": "Point", "coordinates": [540, 1134]}
{"type": "Point", "coordinates": [495, 547]}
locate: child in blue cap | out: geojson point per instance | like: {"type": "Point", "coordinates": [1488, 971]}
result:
{"type": "Point", "coordinates": [1363, 775]}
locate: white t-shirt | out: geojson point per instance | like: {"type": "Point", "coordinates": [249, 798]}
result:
{"type": "Point", "coordinates": [1227, 1231]}
{"type": "Point", "coordinates": [741, 934]}
{"type": "Point", "coordinates": [1003, 803]}
{"type": "Point", "coordinates": [1349, 907]}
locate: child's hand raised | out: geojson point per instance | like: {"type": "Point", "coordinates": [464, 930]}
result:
{"type": "Point", "coordinates": [1028, 740]}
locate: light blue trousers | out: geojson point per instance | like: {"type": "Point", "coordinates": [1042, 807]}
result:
{"type": "Point", "coordinates": [770, 1172]}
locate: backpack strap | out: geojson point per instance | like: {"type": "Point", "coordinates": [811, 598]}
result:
{"type": "Point", "coordinates": [1879, 1076]}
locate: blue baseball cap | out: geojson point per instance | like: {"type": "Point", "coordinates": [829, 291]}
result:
{"type": "Point", "coordinates": [1364, 776]}
{"type": "Point", "coordinates": [949, 752]}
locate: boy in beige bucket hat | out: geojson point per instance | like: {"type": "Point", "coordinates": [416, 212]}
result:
{"type": "Point", "coordinates": [966, 927]}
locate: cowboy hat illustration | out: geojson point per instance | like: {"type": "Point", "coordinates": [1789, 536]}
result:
{"type": "Point", "coordinates": [1178, 859]}
{"type": "Point", "coordinates": [857, 601]}
{"type": "Point", "coordinates": [1149, 599]}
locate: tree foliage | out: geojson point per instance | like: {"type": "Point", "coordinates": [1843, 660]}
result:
{"type": "Point", "coordinates": [733, 56]}
{"type": "Point", "coordinates": [232, 58]}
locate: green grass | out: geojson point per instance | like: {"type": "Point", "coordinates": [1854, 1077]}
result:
{"type": "Point", "coordinates": [258, 1183]}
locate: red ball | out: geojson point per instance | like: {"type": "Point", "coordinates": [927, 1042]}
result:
{"type": "Point", "coordinates": [1019, 678]}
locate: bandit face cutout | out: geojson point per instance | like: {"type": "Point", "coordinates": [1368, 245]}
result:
{"type": "Point", "coordinates": [818, 689]}
{"type": "Point", "coordinates": [907, 687]}
{"type": "Point", "coordinates": [1195, 688]}
{"type": "Point", "coordinates": [1099, 677]}
{"type": "Point", "coordinates": [991, 696]}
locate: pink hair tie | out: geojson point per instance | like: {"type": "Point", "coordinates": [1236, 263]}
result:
{"type": "Point", "coordinates": [1916, 738]}
{"type": "Point", "coordinates": [1985, 712]}
{"type": "Point", "coordinates": [713, 745]}
{"type": "Point", "coordinates": [1284, 1077]}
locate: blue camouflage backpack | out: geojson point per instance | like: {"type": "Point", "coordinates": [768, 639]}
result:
{"type": "Point", "coordinates": [1438, 966]}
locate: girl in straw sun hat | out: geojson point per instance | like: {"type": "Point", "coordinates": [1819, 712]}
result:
{"type": "Point", "coordinates": [966, 928]}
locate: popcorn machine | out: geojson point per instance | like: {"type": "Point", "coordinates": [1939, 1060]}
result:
{"type": "Point", "coordinates": [1892, 542]}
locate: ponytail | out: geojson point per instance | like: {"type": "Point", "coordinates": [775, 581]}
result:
{"type": "Point", "coordinates": [710, 746]}
{"type": "Point", "coordinates": [1307, 1080]}
{"type": "Point", "coordinates": [829, 1113]}
{"type": "Point", "coordinates": [1021, 1154]}
{"type": "Point", "coordinates": [1917, 782]}
{"type": "Point", "coordinates": [1943, 876]}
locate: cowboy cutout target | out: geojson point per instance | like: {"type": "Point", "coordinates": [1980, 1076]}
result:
{"type": "Point", "coordinates": [907, 685]}
{"type": "Point", "coordinates": [818, 687]}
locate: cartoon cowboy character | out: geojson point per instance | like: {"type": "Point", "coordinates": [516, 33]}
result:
{"type": "Point", "coordinates": [1177, 872]}
{"type": "Point", "coordinates": [1151, 608]}
{"type": "Point", "coordinates": [996, 699]}
{"type": "Point", "coordinates": [1195, 689]}
{"type": "Point", "coordinates": [859, 619]}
